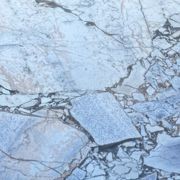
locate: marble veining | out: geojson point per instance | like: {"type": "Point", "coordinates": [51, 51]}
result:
{"type": "Point", "coordinates": [90, 90]}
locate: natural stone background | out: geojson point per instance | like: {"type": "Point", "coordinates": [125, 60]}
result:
{"type": "Point", "coordinates": [90, 89]}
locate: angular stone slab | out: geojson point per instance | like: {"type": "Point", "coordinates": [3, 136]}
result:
{"type": "Point", "coordinates": [37, 148]}
{"type": "Point", "coordinates": [103, 117]}
{"type": "Point", "coordinates": [166, 155]}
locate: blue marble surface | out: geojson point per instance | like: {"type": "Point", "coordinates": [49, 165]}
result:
{"type": "Point", "coordinates": [89, 89]}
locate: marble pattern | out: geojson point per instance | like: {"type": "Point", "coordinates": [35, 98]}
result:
{"type": "Point", "coordinates": [38, 147]}
{"type": "Point", "coordinates": [89, 89]}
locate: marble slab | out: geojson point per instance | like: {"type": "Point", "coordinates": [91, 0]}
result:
{"type": "Point", "coordinates": [39, 148]}
{"type": "Point", "coordinates": [89, 89]}
{"type": "Point", "coordinates": [103, 117]}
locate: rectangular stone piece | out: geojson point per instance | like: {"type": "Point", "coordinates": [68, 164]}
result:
{"type": "Point", "coordinates": [103, 117]}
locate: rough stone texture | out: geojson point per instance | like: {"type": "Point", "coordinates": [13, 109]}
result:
{"type": "Point", "coordinates": [103, 117]}
{"type": "Point", "coordinates": [53, 51]}
{"type": "Point", "coordinates": [37, 147]}
{"type": "Point", "coordinates": [166, 155]}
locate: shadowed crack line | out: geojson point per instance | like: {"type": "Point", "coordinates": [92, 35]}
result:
{"type": "Point", "coordinates": [53, 4]}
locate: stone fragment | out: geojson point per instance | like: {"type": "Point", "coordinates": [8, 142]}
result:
{"type": "Point", "coordinates": [166, 155]}
{"type": "Point", "coordinates": [120, 169]}
{"type": "Point", "coordinates": [150, 177]}
{"type": "Point", "coordinates": [176, 34]}
{"type": "Point", "coordinates": [153, 129]}
{"type": "Point", "coordinates": [77, 174]}
{"type": "Point", "coordinates": [103, 117]}
{"type": "Point", "coordinates": [178, 122]}
{"type": "Point", "coordinates": [109, 157]}
{"type": "Point", "coordinates": [37, 147]}
{"type": "Point", "coordinates": [137, 155]}
{"type": "Point", "coordinates": [158, 110]}
{"type": "Point", "coordinates": [138, 96]}
{"type": "Point", "coordinates": [150, 91]}
{"type": "Point", "coordinates": [90, 168]}
{"type": "Point", "coordinates": [98, 171]}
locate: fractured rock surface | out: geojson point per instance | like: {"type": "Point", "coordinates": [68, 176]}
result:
{"type": "Point", "coordinates": [69, 49]}
{"type": "Point", "coordinates": [85, 58]}
{"type": "Point", "coordinates": [103, 117]}
{"type": "Point", "coordinates": [37, 147]}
